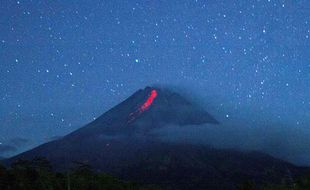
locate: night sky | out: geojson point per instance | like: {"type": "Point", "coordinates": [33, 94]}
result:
{"type": "Point", "coordinates": [64, 63]}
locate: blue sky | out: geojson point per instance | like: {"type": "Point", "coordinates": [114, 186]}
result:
{"type": "Point", "coordinates": [64, 63]}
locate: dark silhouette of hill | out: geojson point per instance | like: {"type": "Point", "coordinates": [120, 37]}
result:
{"type": "Point", "coordinates": [120, 143]}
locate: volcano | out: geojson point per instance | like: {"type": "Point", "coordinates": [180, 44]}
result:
{"type": "Point", "coordinates": [121, 142]}
{"type": "Point", "coordinates": [145, 110]}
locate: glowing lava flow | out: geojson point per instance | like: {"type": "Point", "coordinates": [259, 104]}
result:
{"type": "Point", "coordinates": [143, 107]}
{"type": "Point", "coordinates": [149, 101]}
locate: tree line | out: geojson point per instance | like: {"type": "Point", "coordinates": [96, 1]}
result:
{"type": "Point", "coordinates": [37, 174]}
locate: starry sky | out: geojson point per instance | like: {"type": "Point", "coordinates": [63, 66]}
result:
{"type": "Point", "coordinates": [64, 63]}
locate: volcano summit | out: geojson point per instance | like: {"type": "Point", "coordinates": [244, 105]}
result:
{"type": "Point", "coordinates": [145, 110]}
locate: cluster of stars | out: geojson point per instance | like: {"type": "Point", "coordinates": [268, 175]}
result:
{"type": "Point", "coordinates": [92, 55]}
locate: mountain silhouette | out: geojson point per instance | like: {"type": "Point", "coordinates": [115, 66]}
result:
{"type": "Point", "coordinates": [145, 110]}
{"type": "Point", "coordinates": [120, 142]}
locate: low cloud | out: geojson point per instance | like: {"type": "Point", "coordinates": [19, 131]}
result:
{"type": "Point", "coordinates": [53, 138]}
{"type": "Point", "coordinates": [18, 141]}
{"type": "Point", "coordinates": [282, 142]}
{"type": "Point", "coordinates": [7, 149]}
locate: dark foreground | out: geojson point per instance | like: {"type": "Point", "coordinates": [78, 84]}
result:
{"type": "Point", "coordinates": [39, 175]}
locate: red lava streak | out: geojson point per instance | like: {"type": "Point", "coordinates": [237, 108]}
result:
{"type": "Point", "coordinates": [149, 101]}
{"type": "Point", "coordinates": [143, 107]}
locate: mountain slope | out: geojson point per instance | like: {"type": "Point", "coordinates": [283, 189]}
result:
{"type": "Point", "coordinates": [120, 142]}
